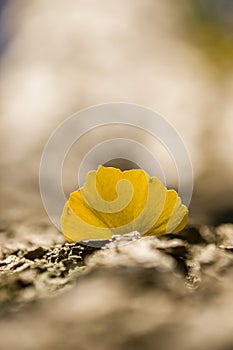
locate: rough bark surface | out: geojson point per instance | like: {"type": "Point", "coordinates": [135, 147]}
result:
{"type": "Point", "coordinates": [172, 291]}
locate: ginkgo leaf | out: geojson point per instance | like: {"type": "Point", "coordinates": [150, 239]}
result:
{"type": "Point", "coordinates": [117, 202]}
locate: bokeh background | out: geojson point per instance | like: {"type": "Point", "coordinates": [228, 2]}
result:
{"type": "Point", "coordinates": [57, 57]}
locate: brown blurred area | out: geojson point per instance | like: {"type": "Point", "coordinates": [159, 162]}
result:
{"type": "Point", "coordinates": [57, 57]}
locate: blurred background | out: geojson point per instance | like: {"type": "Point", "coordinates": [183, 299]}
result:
{"type": "Point", "coordinates": [57, 57]}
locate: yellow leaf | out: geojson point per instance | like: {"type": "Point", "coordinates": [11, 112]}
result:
{"type": "Point", "coordinates": [116, 202]}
